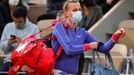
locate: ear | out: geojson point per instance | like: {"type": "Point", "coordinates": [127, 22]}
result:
{"type": "Point", "coordinates": [67, 14]}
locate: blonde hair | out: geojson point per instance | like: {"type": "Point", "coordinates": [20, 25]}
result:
{"type": "Point", "coordinates": [66, 4]}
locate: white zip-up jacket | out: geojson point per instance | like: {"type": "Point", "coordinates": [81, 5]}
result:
{"type": "Point", "coordinates": [10, 29]}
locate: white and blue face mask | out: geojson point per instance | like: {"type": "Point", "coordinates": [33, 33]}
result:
{"type": "Point", "coordinates": [76, 16]}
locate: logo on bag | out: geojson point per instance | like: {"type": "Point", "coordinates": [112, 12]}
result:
{"type": "Point", "coordinates": [21, 47]}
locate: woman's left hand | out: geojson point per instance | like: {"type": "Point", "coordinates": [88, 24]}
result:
{"type": "Point", "coordinates": [118, 34]}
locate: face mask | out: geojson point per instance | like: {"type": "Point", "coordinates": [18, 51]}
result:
{"type": "Point", "coordinates": [76, 16]}
{"type": "Point", "coordinates": [20, 25]}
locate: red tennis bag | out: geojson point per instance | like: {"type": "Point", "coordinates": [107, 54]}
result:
{"type": "Point", "coordinates": [33, 52]}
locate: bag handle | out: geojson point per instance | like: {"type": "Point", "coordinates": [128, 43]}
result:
{"type": "Point", "coordinates": [107, 55]}
{"type": "Point", "coordinates": [97, 56]}
{"type": "Point", "coordinates": [110, 60]}
{"type": "Point", "coordinates": [95, 50]}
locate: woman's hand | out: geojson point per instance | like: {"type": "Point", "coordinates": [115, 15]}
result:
{"type": "Point", "coordinates": [89, 46]}
{"type": "Point", "coordinates": [93, 45]}
{"type": "Point", "coordinates": [118, 34]}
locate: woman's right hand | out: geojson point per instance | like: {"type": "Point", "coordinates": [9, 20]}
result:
{"type": "Point", "coordinates": [89, 46]}
{"type": "Point", "coordinates": [93, 45]}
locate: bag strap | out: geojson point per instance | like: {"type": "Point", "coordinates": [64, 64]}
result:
{"type": "Point", "coordinates": [52, 24]}
{"type": "Point", "coordinates": [97, 56]}
{"type": "Point", "coordinates": [95, 50]}
{"type": "Point", "coordinates": [59, 52]}
{"type": "Point", "coordinates": [107, 55]}
{"type": "Point", "coordinates": [110, 60]}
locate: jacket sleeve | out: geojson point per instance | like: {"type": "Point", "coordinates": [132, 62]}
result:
{"type": "Point", "coordinates": [105, 48]}
{"type": "Point", "coordinates": [61, 35]}
{"type": "Point", "coordinates": [4, 39]}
